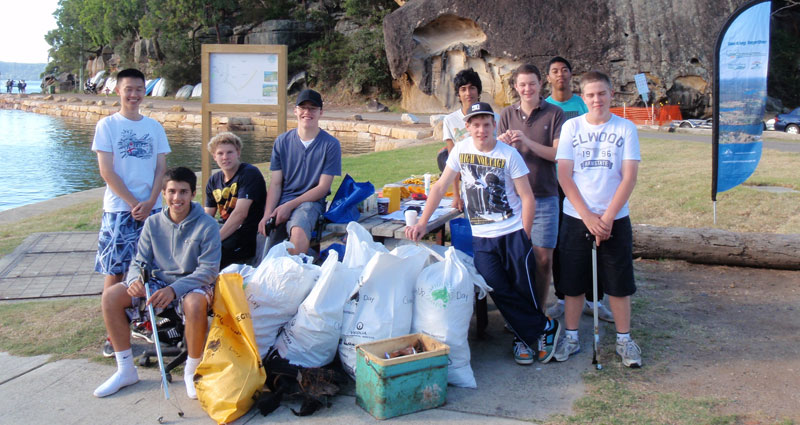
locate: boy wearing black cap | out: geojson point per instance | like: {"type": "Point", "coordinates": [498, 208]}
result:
{"type": "Point", "coordinates": [303, 163]}
{"type": "Point", "coordinates": [500, 206]}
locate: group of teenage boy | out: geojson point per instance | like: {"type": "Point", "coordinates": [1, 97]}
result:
{"type": "Point", "coordinates": [179, 250]}
{"type": "Point", "coordinates": [509, 191]}
{"type": "Point", "coordinates": [539, 185]}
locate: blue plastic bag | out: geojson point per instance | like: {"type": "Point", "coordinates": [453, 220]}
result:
{"type": "Point", "coordinates": [344, 207]}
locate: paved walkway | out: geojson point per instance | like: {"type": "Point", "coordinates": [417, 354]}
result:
{"type": "Point", "coordinates": [53, 264]}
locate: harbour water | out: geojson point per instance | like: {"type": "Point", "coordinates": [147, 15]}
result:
{"type": "Point", "coordinates": [47, 156]}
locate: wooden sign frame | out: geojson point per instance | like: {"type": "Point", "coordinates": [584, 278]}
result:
{"type": "Point", "coordinates": [208, 108]}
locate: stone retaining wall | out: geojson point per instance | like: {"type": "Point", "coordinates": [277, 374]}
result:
{"type": "Point", "coordinates": [385, 136]}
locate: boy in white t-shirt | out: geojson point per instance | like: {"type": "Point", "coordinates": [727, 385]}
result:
{"type": "Point", "coordinates": [131, 154]}
{"type": "Point", "coordinates": [499, 203]}
{"type": "Point", "coordinates": [598, 160]}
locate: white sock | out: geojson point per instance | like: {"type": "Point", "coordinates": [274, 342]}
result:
{"type": "Point", "coordinates": [125, 375]}
{"type": "Point", "coordinates": [623, 337]}
{"type": "Point", "coordinates": [561, 302]}
{"type": "Point", "coordinates": [188, 376]}
{"type": "Point", "coordinates": [572, 334]}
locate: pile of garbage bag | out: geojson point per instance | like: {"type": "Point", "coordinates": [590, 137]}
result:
{"type": "Point", "coordinates": [304, 314]}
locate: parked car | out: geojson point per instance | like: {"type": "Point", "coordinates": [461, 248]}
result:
{"type": "Point", "coordinates": [692, 123]}
{"type": "Point", "coordinates": [789, 123]}
{"type": "Point", "coordinates": [769, 124]}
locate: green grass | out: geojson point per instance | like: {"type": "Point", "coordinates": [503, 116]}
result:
{"type": "Point", "coordinates": [63, 328]}
{"type": "Point", "coordinates": [674, 189]}
{"type": "Point", "coordinates": [77, 218]}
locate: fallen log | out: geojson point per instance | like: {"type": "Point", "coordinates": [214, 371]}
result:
{"type": "Point", "coordinates": [715, 246]}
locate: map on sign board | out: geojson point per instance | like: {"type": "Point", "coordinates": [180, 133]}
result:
{"type": "Point", "coordinates": [641, 85]}
{"type": "Point", "coordinates": [243, 78]}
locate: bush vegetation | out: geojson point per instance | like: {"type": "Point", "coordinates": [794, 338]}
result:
{"type": "Point", "coordinates": [179, 27]}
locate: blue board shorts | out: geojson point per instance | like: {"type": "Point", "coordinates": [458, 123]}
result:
{"type": "Point", "coordinates": [116, 244]}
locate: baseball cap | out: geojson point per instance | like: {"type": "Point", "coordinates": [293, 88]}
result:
{"type": "Point", "coordinates": [309, 95]}
{"type": "Point", "coordinates": [480, 108]}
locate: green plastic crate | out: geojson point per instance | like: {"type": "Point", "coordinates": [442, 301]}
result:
{"type": "Point", "coordinates": [392, 387]}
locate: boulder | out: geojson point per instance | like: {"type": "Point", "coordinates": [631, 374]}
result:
{"type": "Point", "coordinates": [428, 41]}
{"type": "Point", "coordinates": [374, 106]}
{"type": "Point", "coordinates": [176, 108]}
{"type": "Point", "coordinates": [409, 119]}
{"type": "Point", "coordinates": [144, 50]}
{"type": "Point", "coordinates": [436, 119]}
{"type": "Point", "coordinates": [283, 31]}
{"type": "Point", "coordinates": [297, 83]}
{"type": "Point", "coordinates": [355, 117]}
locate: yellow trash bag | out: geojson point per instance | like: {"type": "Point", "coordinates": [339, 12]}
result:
{"type": "Point", "coordinates": [231, 372]}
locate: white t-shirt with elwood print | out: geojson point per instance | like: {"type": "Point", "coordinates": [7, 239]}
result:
{"type": "Point", "coordinates": [597, 152]}
{"type": "Point", "coordinates": [135, 146]}
{"type": "Point", "coordinates": [490, 198]}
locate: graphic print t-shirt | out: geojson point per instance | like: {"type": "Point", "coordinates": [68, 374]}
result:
{"type": "Point", "coordinates": [454, 127]}
{"type": "Point", "coordinates": [135, 146]}
{"type": "Point", "coordinates": [598, 152]}
{"type": "Point", "coordinates": [247, 183]}
{"type": "Point", "coordinates": [487, 187]}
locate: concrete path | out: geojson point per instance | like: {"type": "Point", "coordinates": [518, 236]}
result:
{"type": "Point", "coordinates": [37, 392]}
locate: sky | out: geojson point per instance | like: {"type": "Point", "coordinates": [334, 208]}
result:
{"type": "Point", "coordinates": [22, 37]}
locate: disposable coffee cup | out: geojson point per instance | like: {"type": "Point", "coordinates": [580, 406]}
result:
{"type": "Point", "coordinates": [411, 217]}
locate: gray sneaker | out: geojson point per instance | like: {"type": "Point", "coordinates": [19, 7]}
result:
{"type": "Point", "coordinates": [566, 348]}
{"type": "Point", "coordinates": [108, 350]}
{"type": "Point", "coordinates": [603, 313]}
{"type": "Point", "coordinates": [630, 353]}
{"type": "Point", "coordinates": [556, 310]}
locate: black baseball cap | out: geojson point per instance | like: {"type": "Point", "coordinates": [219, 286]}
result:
{"type": "Point", "coordinates": [480, 108]}
{"type": "Point", "coordinates": [309, 95]}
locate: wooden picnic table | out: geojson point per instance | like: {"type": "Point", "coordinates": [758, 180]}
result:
{"type": "Point", "coordinates": [382, 230]}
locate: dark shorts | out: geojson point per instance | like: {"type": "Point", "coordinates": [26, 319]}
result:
{"type": "Point", "coordinates": [238, 248]}
{"type": "Point", "coordinates": [614, 259]}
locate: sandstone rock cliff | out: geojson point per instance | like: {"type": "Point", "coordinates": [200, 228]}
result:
{"type": "Point", "coordinates": [672, 41]}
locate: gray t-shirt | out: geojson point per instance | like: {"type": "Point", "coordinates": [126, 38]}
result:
{"type": "Point", "coordinates": [302, 166]}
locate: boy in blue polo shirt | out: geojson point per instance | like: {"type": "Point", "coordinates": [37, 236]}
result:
{"type": "Point", "coordinates": [499, 203]}
{"type": "Point", "coordinates": [303, 164]}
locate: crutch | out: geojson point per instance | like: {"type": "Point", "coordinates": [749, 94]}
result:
{"type": "Point", "coordinates": [595, 361]}
{"type": "Point", "coordinates": [144, 278]}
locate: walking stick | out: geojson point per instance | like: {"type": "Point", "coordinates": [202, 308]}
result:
{"type": "Point", "coordinates": [595, 361]}
{"type": "Point", "coordinates": [144, 278]}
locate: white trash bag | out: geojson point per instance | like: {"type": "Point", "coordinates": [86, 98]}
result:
{"type": "Point", "coordinates": [275, 290]}
{"type": "Point", "coordinates": [384, 303]}
{"type": "Point", "coordinates": [443, 301]}
{"type": "Point", "coordinates": [360, 246]}
{"type": "Point", "coordinates": [311, 337]}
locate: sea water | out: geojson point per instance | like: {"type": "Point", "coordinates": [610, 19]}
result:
{"type": "Point", "coordinates": [45, 156]}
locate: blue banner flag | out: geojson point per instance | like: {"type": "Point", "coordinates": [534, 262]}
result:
{"type": "Point", "coordinates": [740, 95]}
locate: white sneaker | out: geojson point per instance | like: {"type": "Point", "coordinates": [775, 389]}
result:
{"type": "Point", "coordinates": [603, 313]}
{"type": "Point", "coordinates": [556, 310]}
{"type": "Point", "coordinates": [566, 348]}
{"type": "Point", "coordinates": [630, 353]}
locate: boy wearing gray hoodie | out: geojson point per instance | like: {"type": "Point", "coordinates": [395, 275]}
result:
{"type": "Point", "coordinates": [180, 247]}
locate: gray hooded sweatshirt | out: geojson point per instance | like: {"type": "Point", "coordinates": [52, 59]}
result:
{"type": "Point", "coordinates": [184, 255]}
